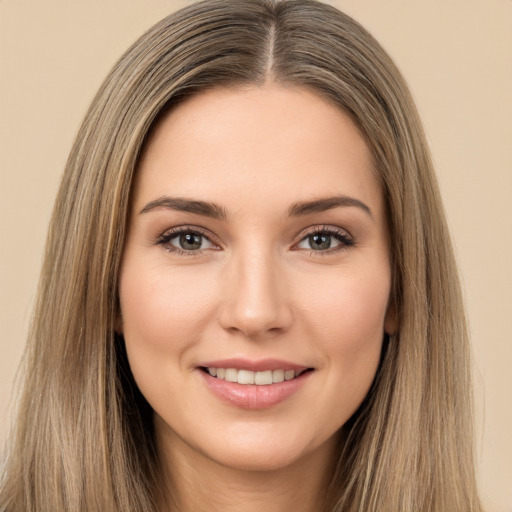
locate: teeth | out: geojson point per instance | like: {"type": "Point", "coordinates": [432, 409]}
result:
{"type": "Point", "coordinates": [278, 375]}
{"type": "Point", "coordinates": [231, 375]}
{"type": "Point", "coordinates": [289, 375]}
{"type": "Point", "coordinates": [263, 378]}
{"type": "Point", "coordinates": [245, 377]}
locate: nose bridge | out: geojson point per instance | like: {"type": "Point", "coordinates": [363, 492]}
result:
{"type": "Point", "coordinates": [255, 299]}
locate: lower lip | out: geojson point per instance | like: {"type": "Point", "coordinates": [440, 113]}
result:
{"type": "Point", "coordinates": [252, 396]}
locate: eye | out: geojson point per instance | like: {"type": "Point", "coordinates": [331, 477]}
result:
{"type": "Point", "coordinates": [326, 240]}
{"type": "Point", "coordinates": [186, 240]}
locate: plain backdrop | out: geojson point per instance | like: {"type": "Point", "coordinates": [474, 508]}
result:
{"type": "Point", "coordinates": [457, 58]}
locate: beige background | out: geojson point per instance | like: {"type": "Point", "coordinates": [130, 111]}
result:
{"type": "Point", "coordinates": [457, 57]}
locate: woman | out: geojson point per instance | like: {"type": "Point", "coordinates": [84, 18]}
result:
{"type": "Point", "coordinates": [249, 296]}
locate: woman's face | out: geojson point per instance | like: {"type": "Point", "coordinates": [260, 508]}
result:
{"type": "Point", "coordinates": [256, 278]}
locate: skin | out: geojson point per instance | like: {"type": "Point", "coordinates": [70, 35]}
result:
{"type": "Point", "coordinates": [258, 288]}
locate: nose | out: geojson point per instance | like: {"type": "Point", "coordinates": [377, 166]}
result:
{"type": "Point", "coordinates": [255, 297]}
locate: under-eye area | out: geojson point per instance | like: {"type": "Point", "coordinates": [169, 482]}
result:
{"type": "Point", "coordinates": [259, 378]}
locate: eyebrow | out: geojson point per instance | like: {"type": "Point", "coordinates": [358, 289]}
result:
{"type": "Point", "coordinates": [216, 211]}
{"type": "Point", "coordinates": [328, 203]}
{"type": "Point", "coordinates": [181, 204]}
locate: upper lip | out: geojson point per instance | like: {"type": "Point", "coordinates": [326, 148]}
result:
{"type": "Point", "coordinates": [253, 365]}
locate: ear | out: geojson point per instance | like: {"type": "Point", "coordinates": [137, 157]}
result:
{"type": "Point", "coordinates": [391, 319]}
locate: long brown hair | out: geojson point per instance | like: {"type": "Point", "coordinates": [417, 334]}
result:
{"type": "Point", "coordinates": [83, 438]}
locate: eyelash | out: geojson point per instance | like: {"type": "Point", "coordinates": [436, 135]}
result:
{"type": "Point", "coordinates": [342, 236]}
{"type": "Point", "coordinates": [345, 239]}
{"type": "Point", "coordinates": [166, 238]}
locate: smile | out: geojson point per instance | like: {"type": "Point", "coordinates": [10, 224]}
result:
{"type": "Point", "coordinates": [259, 378]}
{"type": "Point", "coordinates": [256, 388]}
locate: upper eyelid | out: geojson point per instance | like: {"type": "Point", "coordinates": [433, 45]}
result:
{"type": "Point", "coordinates": [324, 228]}
{"type": "Point", "coordinates": [188, 229]}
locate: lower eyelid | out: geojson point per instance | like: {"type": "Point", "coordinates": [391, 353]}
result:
{"type": "Point", "coordinates": [341, 244]}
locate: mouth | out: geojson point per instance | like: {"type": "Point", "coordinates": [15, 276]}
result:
{"type": "Point", "coordinates": [249, 377]}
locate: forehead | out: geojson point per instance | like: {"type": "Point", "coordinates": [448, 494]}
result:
{"type": "Point", "coordinates": [273, 141]}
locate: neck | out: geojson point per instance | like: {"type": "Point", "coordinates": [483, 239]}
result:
{"type": "Point", "coordinates": [197, 482]}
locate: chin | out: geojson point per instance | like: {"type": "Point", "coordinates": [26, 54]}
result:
{"type": "Point", "coordinates": [264, 451]}
{"type": "Point", "coordinates": [257, 459]}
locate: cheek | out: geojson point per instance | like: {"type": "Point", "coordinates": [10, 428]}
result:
{"type": "Point", "coordinates": [351, 297]}
{"type": "Point", "coordinates": [346, 315]}
{"type": "Point", "coordinates": [163, 310]}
